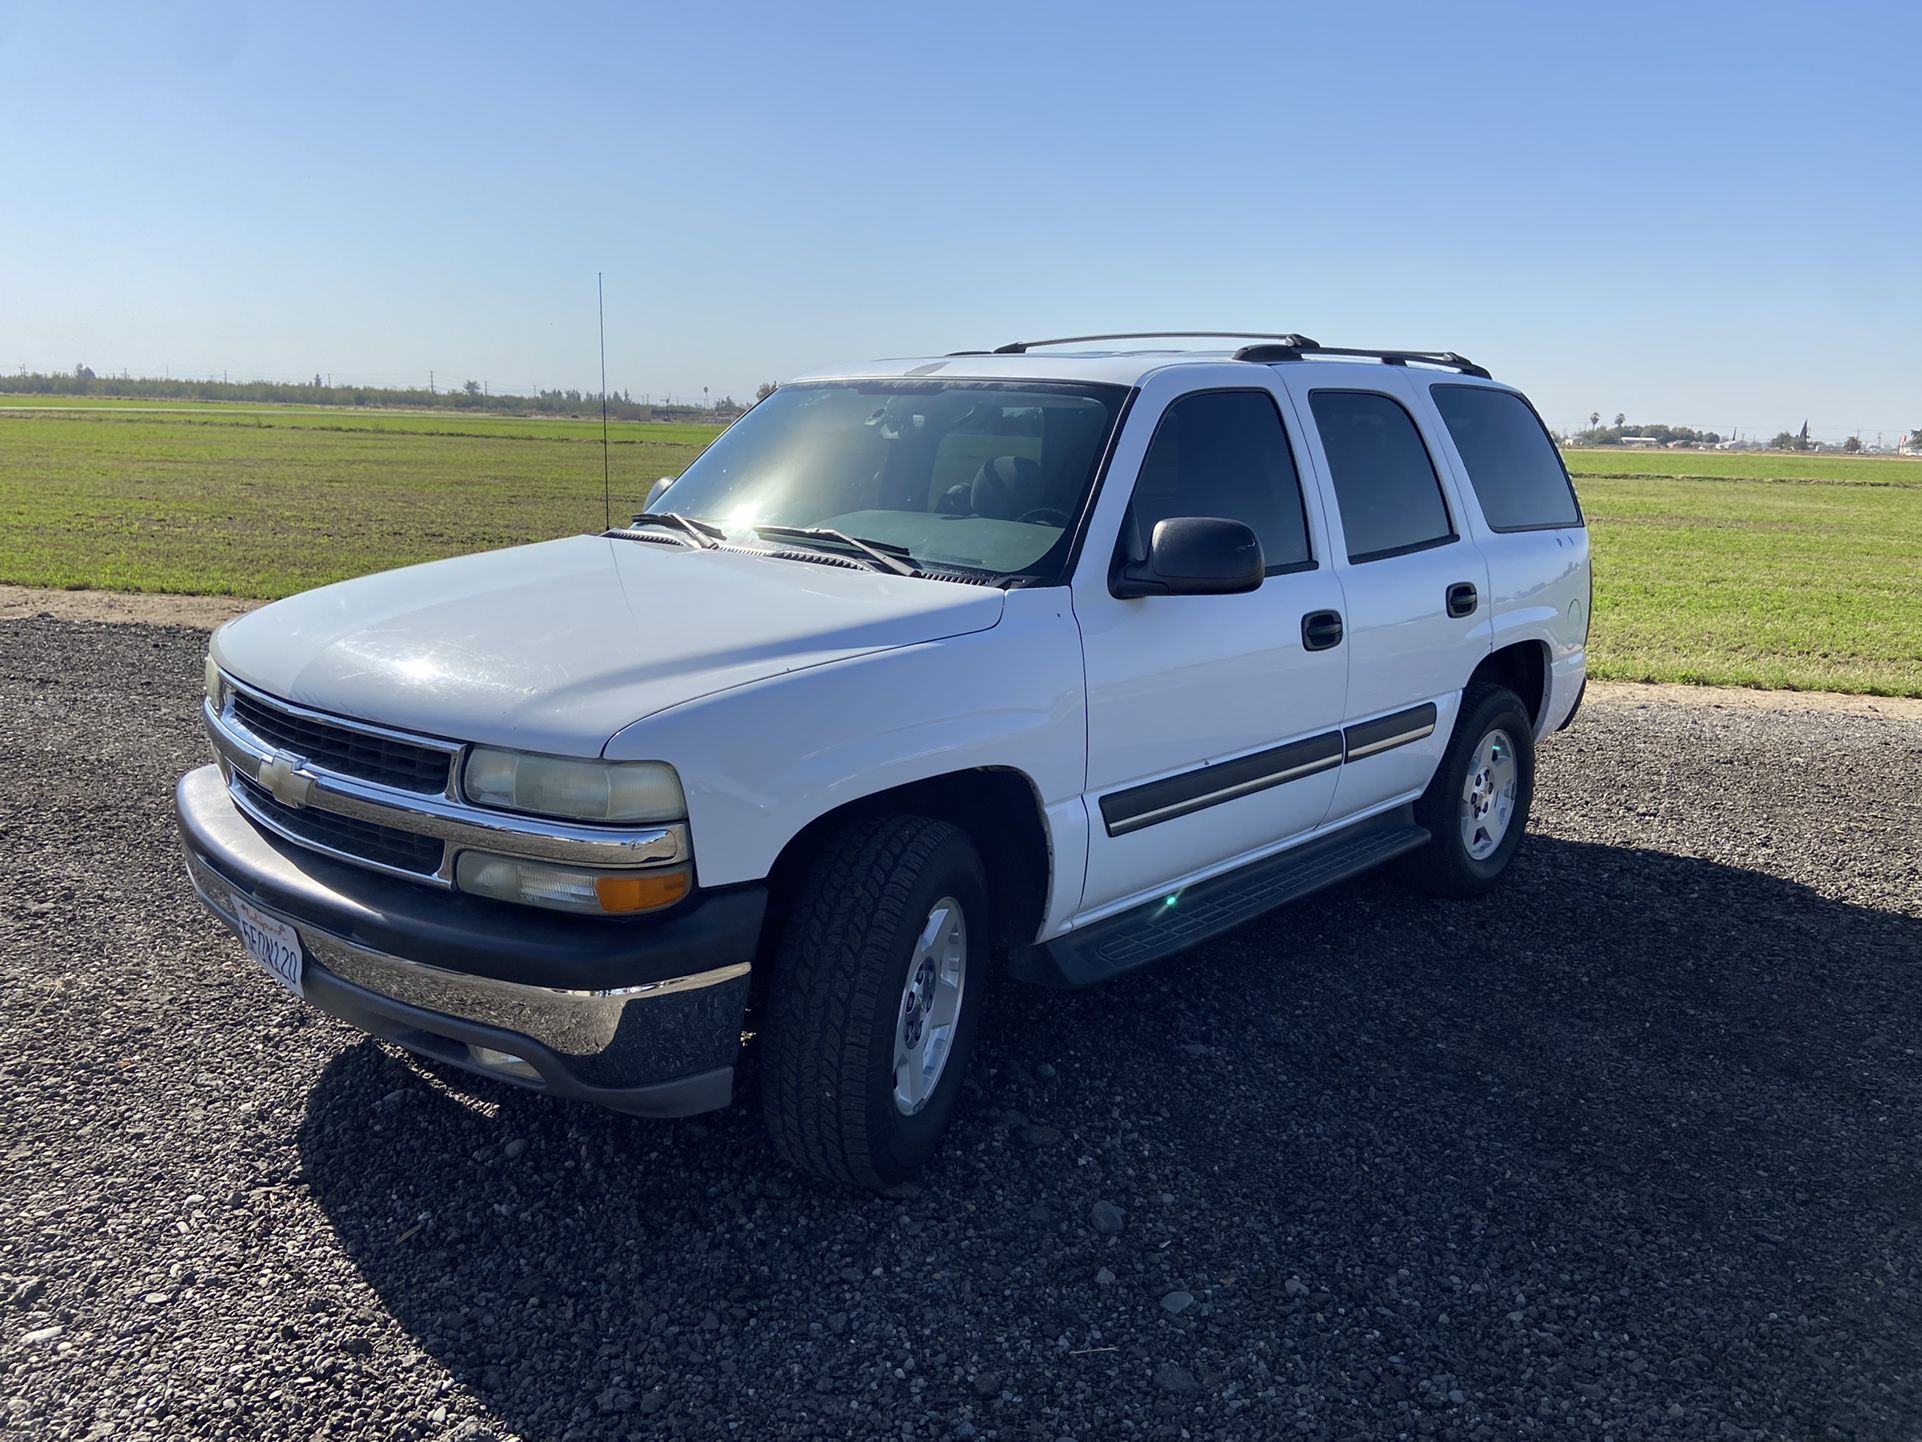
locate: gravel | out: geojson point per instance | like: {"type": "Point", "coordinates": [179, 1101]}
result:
{"type": "Point", "coordinates": [1629, 1151]}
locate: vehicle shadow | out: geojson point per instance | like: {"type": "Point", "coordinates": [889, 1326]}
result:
{"type": "Point", "coordinates": [1641, 1130]}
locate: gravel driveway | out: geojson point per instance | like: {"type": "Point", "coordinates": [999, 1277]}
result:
{"type": "Point", "coordinates": [1630, 1151]}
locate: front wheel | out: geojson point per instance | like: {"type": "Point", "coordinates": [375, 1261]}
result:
{"type": "Point", "coordinates": [1476, 807]}
{"type": "Point", "coordinates": [872, 1008]}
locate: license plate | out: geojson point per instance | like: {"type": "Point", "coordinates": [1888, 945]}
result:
{"type": "Point", "coordinates": [274, 944]}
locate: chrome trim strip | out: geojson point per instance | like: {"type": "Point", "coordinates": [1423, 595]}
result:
{"type": "Point", "coordinates": [461, 827]}
{"type": "Point", "coordinates": [1227, 793]}
{"type": "Point", "coordinates": [1389, 742]}
{"type": "Point", "coordinates": [574, 1024]}
{"type": "Point", "coordinates": [237, 793]}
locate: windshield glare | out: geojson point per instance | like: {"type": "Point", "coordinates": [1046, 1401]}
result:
{"type": "Point", "coordinates": [978, 474]}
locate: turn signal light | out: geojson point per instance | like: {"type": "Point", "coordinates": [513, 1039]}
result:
{"type": "Point", "coordinates": [641, 892]}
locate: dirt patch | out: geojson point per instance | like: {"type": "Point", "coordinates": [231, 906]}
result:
{"type": "Point", "coordinates": [1742, 698]}
{"type": "Point", "coordinates": [206, 612]}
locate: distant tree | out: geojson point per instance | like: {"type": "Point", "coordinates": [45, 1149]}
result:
{"type": "Point", "coordinates": [1783, 441]}
{"type": "Point", "coordinates": [472, 388]}
{"type": "Point", "coordinates": [1852, 444]}
{"type": "Point", "coordinates": [766, 389]}
{"type": "Point", "coordinates": [1620, 420]}
{"type": "Point", "coordinates": [83, 373]}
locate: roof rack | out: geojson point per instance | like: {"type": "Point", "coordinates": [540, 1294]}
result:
{"type": "Point", "coordinates": [1022, 347]}
{"type": "Point", "coordinates": [1274, 346]}
{"type": "Point", "coordinates": [1301, 350]}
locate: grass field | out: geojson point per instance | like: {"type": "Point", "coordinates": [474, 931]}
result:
{"type": "Point", "coordinates": [1759, 570]}
{"type": "Point", "coordinates": [1756, 570]}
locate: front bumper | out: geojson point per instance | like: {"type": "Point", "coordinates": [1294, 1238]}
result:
{"type": "Point", "coordinates": [641, 1015]}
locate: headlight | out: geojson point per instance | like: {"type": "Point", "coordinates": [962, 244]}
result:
{"type": "Point", "coordinates": [216, 686]}
{"type": "Point", "coordinates": [569, 888]}
{"type": "Point", "coordinates": [577, 790]}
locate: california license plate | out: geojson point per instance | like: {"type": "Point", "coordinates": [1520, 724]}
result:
{"type": "Point", "coordinates": [274, 944]}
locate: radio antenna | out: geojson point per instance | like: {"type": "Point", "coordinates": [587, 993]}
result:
{"type": "Point", "coordinates": [607, 485]}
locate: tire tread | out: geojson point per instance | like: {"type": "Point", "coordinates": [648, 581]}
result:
{"type": "Point", "coordinates": [829, 966]}
{"type": "Point", "coordinates": [1441, 868]}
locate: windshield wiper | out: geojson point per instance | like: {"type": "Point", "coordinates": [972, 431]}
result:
{"type": "Point", "coordinates": [701, 533]}
{"type": "Point", "coordinates": [883, 553]}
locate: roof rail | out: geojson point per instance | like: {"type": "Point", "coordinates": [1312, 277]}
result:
{"type": "Point", "coordinates": [1022, 347]}
{"type": "Point", "coordinates": [1301, 350]}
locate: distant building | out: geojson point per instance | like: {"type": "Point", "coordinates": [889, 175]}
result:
{"type": "Point", "coordinates": [1645, 442]}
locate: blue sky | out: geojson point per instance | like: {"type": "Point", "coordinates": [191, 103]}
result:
{"type": "Point", "coordinates": [1692, 213]}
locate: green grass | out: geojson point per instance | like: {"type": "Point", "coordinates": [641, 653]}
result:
{"type": "Point", "coordinates": [1777, 571]}
{"type": "Point", "coordinates": [268, 502]}
{"type": "Point", "coordinates": [1733, 569]}
{"type": "Point", "coordinates": [1758, 466]}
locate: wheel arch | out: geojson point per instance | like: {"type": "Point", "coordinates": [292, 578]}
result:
{"type": "Point", "coordinates": [1523, 667]}
{"type": "Point", "coordinates": [1000, 810]}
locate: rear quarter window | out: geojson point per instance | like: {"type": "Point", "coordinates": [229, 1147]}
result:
{"type": "Point", "coordinates": [1514, 467]}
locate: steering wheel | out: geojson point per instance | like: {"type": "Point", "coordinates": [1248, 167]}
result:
{"type": "Point", "coordinates": [1044, 516]}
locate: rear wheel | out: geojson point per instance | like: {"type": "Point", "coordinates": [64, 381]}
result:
{"type": "Point", "coordinates": [1476, 807]}
{"type": "Point", "coordinates": [872, 1007]}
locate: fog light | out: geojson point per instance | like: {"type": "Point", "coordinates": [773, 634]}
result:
{"type": "Point", "coordinates": [501, 1061]}
{"type": "Point", "coordinates": [568, 888]}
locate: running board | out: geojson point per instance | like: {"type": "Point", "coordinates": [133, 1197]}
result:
{"type": "Point", "coordinates": [1196, 913]}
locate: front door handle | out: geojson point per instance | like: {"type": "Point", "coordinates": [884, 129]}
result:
{"type": "Point", "coordinates": [1462, 599]}
{"type": "Point", "coordinates": [1320, 630]}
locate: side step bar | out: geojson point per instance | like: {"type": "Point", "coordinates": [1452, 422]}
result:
{"type": "Point", "coordinates": [1161, 928]}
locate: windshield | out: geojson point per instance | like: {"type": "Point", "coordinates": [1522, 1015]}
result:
{"type": "Point", "coordinates": [978, 474]}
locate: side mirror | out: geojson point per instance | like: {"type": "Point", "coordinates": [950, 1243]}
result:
{"type": "Point", "coordinates": [1194, 556]}
{"type": "Point", "coordinates": [654, 491]}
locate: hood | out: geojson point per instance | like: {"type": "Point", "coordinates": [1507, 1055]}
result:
{"type": "Point", "coordinates": [555, 647]}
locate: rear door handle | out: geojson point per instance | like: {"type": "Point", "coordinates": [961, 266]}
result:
{"type": "Point", "coordinates": [1320, 630]}
{"type": "Point", "coordinates": [1462, 599]}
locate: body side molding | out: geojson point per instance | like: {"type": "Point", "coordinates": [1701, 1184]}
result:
{"type": "Point", "coordinates": [1385, 733]}
{"type": "Point", "coordinates": [1188, 791]}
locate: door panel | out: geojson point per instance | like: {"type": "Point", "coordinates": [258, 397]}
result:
{"type": "Point", "coordinates": [1213, 731]}
{"type": "Point", "coordinates": [1408, 656]}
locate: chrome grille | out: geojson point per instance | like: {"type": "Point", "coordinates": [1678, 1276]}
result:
{"type": "Point", "coordinates": [366, 755]}
{"type": "Point", "coordinates": [348, 836]}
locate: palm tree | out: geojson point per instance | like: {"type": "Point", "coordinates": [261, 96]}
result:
{"type": "Point", "coordinates": [1620, 420]}
{"type": "Point", "coordinates": [1594, 419]}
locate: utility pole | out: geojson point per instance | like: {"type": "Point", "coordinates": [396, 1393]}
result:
{"type": "Point", "coordinates": [430, 383]}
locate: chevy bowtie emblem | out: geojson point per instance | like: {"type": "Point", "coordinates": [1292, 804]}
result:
{"type": "Point", "coordinates": [287, 785]}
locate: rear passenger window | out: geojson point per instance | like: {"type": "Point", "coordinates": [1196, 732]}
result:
{"type": "Point", "coordinates": [1385, 483]}
{"type": "Point", "coordinates": [1515, 470]}
{"type": "Point", "coordinates": [1224, 453]}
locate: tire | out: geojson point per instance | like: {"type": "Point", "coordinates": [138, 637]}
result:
{"type": "Point", "coordinates": [1449, 865]}
{"type": "Point", "coordinates": [837, 1002]}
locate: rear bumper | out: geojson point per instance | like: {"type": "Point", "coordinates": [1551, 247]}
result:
{"type": "Point", "coordinates": [642, 1016]}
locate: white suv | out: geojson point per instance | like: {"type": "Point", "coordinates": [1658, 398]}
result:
{"type": "Point", "coordinates": [1048, 661]}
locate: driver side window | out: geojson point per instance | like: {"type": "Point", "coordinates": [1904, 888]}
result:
{"type": "Point", "coordinates": [1223, 453]}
